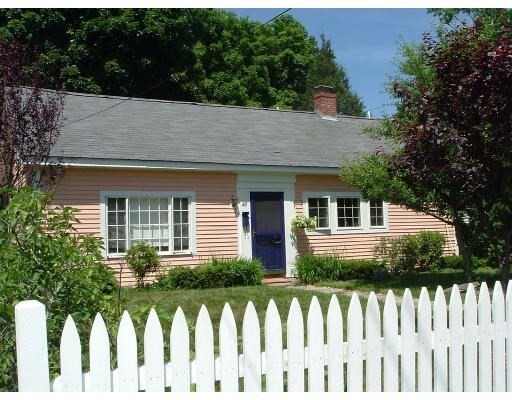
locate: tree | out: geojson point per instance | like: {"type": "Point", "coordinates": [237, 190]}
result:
{"type": "Point", "coordinates": [326, 71]}
{"type": "Point", "coordinates": [30, 120]}
{"type": "Point", "coordinates": [203, 55]}
{"type": "Point", "coordinates": [454, 136]}
{"type": "Point", "coordinates": [42, 257]}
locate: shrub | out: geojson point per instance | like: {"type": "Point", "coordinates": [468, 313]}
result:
{"type": "Point", "coordinates": [215, 274]}
{"type": "Point", "coordinates": [451, 262]}
{"type": "Point", "coordinates": [42, 257]}
{"type": "Point", "coordinates": [142, 259]}
{"type": "Point", "coordinates": [430, 249]}
{"type": "Point", "coordinates": [310, 268]}
{"type": "Point", "coordinates": [403, 254]}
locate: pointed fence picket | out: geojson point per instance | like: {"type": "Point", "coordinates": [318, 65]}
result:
{"type": "Point", "coordinates": [457, 346]}
{"type": "Point", "coordinates": [373, 345]}
{"type": "Point", "coordinates": [498, 340]}
{"type": "Point", "coordinates": [127, 371]}
{"type": "Point", "coordinates": [408, 345]}
{"type": "Point", "coordinates": [335, 347]}
{"type": "Point", "coordinates": [295, 351]}
{"type": "Point", "coordinates": [180, 353]}
{"type": "Point", "coordinates": [456, 341]}
{"type": "Point", "coordinates": [273, 349]}
{"type": "Point", "coordinates": [470, 341]}
{"type": "Point", "coordinates": [440, 342]}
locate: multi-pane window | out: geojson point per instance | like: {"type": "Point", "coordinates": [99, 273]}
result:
{"type": "Point", "coordinates": [345, 212]}
{"type": "Point", "coordinates": [376, 213]}
{"type": "Point", "coordinates": [319, 207]}
{"type": "Point", "coordinates": [163, 222]}
{"type": "Point", "coordinates": [349, 212]}
{"type": "Point", "coordinates": [116, 220]}
{"type": "Point", "coordinates": [181, 224]}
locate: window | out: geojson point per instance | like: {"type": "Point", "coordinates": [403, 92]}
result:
{"type": "Point", "coordinates": [345, 212]}
{"type": "Point", "coordinates": [349, 211]}
{"type": "Point", "coordinates": [376, 213]}
{"type": "Point", "coordinates": [161, 219]}
{"type": "Point", "coordinates": [319, 208]}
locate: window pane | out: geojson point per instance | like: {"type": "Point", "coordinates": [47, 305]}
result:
{"type": "Point", "coordinates": [144, 217]}
{"type": "Point", "coordinates": [121, 204]}
{"type": "Point", "coordinates": [121, 246]}
{"type": "Point", "coordinates": [112, 232]}
{"type": "Point", "coordinates": [164, 217]}
{"type": "Point", "coordinates": [153, 217]}
{"type": "Point", "coordinates": [154, 204]}
{"type": "Point", "coordinates": [319, 208]}
{"type": "Point", "coordinates": [164, 204]}
{"type": "Point", "coordinates": [134, 204]}
{"type": "Point", "coordinates": [144, 204]}
{"type": "Point", "coordinates": [112, 204]}
{"type": "Point", "coordinates": [112, 218]}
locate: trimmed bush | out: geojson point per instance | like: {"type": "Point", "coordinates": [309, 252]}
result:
{"type": "Point", "coordinates": [403, 254]}
{"type": "Point", "coordinates": [310, 268]}
{"type": "Point", "coordinates": [142, 259]}
{"type": "Point", "coordinates": [451, 262]}
{"type": "Point", "coordinates": [215, 274]}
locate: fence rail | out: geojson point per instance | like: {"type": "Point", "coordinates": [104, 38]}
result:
{"type": "Point", "coordinates": [429, 347]}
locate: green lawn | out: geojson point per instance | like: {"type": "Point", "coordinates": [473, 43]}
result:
{"type": "Point", "coordinates": [138, 303]}
{"type": "Point", "coordinates": [415, 281]}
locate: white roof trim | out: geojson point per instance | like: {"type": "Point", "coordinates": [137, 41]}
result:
{"type": "Point", "coordinates": [188, 166]}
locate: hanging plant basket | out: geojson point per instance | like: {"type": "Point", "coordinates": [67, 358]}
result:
{"type": "Point", "coordinates": [303, 222]}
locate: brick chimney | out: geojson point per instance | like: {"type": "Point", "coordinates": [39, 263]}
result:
{"type": "Point", "coordinates": [326, 104]}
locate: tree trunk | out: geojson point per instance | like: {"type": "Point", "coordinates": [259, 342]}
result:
{"type": "Point", "coordinates": [465, 250]}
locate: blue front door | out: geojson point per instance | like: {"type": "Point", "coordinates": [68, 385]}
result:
{"type": "Point", "coordinates": [267, 222]}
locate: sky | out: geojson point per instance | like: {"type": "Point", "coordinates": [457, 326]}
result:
{"type": "Point", "coordinates": [365, 41]}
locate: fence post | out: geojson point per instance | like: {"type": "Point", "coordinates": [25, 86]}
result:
{"type": "Point", "coordinates": [31, 347]}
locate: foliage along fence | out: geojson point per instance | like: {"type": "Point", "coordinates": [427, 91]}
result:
{"type": "Point", "coordinates": [425, 355]}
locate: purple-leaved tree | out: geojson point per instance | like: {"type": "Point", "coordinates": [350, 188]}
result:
{"type": "Point", "coordinates": [457, 140]}
{"type": "Point", "coordinates": [30, 122]}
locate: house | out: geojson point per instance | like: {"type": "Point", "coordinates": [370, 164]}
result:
{"type": "Point", "coordinates": [200, 181]}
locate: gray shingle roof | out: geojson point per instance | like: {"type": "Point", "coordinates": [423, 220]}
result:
{"type": "Point", "coordinates": [155, 130]}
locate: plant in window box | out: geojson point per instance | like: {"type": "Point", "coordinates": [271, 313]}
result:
{"type": "Point", "coordinates": [303, 222]}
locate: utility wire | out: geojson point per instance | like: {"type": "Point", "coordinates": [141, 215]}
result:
{"type": "Point", "coordinates": [270, 20]}
{"type": "Point", "coordinates": [115, 105]}
{"type": "Point", "coordinates": [157, 85]}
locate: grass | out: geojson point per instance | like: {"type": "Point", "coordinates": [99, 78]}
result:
{"type": "Point", "coordinates": [415, 281]}
{"type": "Point", "coordinates": [165, 302]}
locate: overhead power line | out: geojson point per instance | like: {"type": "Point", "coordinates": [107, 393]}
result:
{"type": "Point", "coordinates": [272, 19]}
{"type": "Point", "coordinates": [115, 105]}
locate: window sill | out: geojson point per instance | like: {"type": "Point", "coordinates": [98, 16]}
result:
{"type": "Point", "coordinates": [161, 254]}
{"type": "Point", "coordinates": [346, 231]}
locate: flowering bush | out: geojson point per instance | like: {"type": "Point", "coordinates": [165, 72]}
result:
{"type": "Point", "coordinates": [303, 222]}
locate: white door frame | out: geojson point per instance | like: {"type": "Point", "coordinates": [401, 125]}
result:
{"type": "Point", "coordinates": [261, 182]}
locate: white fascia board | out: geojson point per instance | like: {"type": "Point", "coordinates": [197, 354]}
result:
{"type": "Point", "coordinates": [189, 166]}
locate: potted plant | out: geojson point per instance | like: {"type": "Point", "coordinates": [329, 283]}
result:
{"type": "Point", "coordinates": [303, 222]}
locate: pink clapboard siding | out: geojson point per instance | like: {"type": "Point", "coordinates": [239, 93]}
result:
{"type": "Point", "coordinates": [401, 222]}
{"type": "Point", "coordinates": [216, 226]}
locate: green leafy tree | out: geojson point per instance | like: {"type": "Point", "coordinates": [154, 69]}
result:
{"type": "Point", "coordinates": [326, 71]}
{"type": "Point", "coordinates": [454, 135]}
{"type": "Point", "coordinates": [43, 258]}
{"type": "Point", "coordinates": [204, 55]}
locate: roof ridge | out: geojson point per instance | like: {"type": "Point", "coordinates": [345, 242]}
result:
{"type": "Point", "coordinates": [194, 103]}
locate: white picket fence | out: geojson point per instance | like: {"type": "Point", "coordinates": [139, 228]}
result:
{"type": "Point", "coordinates": [431, 347]}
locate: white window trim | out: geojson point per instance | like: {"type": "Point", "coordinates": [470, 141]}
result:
{"type": "Point", "coordinates": [104, 195]}
{"type": "Point", "coordinates": [333, 214]}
